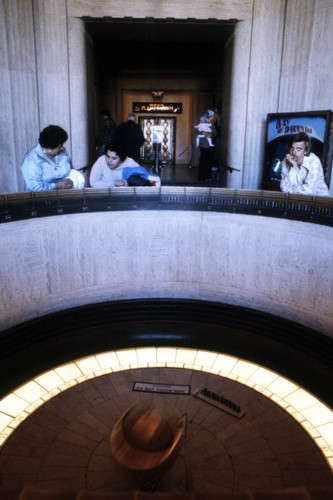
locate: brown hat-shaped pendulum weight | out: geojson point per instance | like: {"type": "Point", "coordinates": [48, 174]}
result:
{"type": "Point", "coordinates": [146, 440]}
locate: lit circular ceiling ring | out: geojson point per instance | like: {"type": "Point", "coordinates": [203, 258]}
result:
{"type": "Point", "coordinates": [313, 415]}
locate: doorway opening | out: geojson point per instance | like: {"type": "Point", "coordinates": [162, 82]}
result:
{"type": "Point", "coordinates": [142, 56]}
{"type": "Point", "coordinates": [166, 150]}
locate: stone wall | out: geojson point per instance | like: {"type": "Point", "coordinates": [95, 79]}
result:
{"type": "Point", "coordinates": [278, 60]}
{"type": "Point", "coordinates": [272, 265]}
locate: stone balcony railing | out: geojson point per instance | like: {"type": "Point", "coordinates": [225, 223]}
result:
{"type": "Point", "coordinates": [314, 209]}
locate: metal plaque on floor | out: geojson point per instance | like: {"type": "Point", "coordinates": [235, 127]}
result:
{"type": "Point", "coordinates": [184, 390]}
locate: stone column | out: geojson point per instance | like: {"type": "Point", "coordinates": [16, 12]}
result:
{"type": "Point", "coordinates": [264, 84]}
{"type": "Point", "coordinates": [51, 35]}
{"type": "Point", "coordinates": [306, 76]}
{"type": "Point", "coordinates": [235, 103]}
{"type": "Point", "coordinates": [255, 78]}
{"type": "Point", "coordinates": [78, 92]}
{"type": "Point", "coordinates": [306, 73]}
{"type": "Point", "coordinates": [19, 120]}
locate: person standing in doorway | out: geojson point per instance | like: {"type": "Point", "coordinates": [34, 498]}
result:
{"type": "Point", "coordinates": [206, 146]}
{"type": "Point", "coordinates": [107, 130]}
{"type": "Point", "coordinates": [216, 121]}
{"type": "Point", "coordinates": [130, 134]}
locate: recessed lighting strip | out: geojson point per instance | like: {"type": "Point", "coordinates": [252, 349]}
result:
{"type": "Point", "coordinates": [313, 415]}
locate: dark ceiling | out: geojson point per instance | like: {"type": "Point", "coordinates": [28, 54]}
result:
{"type": "Point", "coordinates": [159, 30]}
{"type": "Point", "coordinates": [150, 44]}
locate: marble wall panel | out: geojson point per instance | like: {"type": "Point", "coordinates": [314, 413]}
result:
{"type": "Point", "coordinates": [78, 92]}
{"type": "Point", "coordinates": [55, 263]}
{"type": "Point", "coordinates": [319, 93]}
{"type": "Point", "coordinates": [160, 9]}
{"type": "Point", "coordinates": [307, 64]}
{"type": "Point", "coordinates": [7, 152]}
{"type": "Point", "coordinates": [235, 103]}
{"type": "Point", "coordinates": [19, 120]}
{"type": "Point", "coordinates": [280, 60]}
{"type": "Point", "coordinates": [263, 90]}
{"type": "Point", "coordinates": [51, 33]}
{"type": "Point", "coordinates": [306, 76]}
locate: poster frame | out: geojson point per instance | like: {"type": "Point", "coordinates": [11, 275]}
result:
{"type": "Point", "coordinates": [281, 126]}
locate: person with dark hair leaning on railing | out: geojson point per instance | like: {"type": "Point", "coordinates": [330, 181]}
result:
{"type": "Point", "coordinates": [47, 166]}
{"type": "Point", "coordinates": [114, 169]}
{"type": "Point", "coordinates": [302, 172]}
{"type": "Point", "coordinates": [107, 170]}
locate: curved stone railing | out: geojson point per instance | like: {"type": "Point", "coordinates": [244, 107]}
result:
{"type": "Point", "coordinates": [18, 206]}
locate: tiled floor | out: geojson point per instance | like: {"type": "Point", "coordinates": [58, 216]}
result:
{"type": "Point", "coordinates": [65, 443]}
{"type": "Point", "coordinates": [182, 174]}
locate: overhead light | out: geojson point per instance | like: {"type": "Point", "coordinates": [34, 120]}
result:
{"type": "Point", "coordinates": [157, 93]}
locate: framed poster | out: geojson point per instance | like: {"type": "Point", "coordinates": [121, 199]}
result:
{"type": "Point", "coordinates": [280, 127]}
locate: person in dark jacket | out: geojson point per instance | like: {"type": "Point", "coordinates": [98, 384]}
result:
{"type": "Point", "coordinates": [107, 129]}
{"type": "Point", "coordinates": [206, 146]}
{"type": "Point", "coordinates": [130, 134]}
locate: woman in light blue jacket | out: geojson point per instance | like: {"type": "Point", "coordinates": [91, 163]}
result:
{"type": "Point", "coordinates": [47, 166]}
